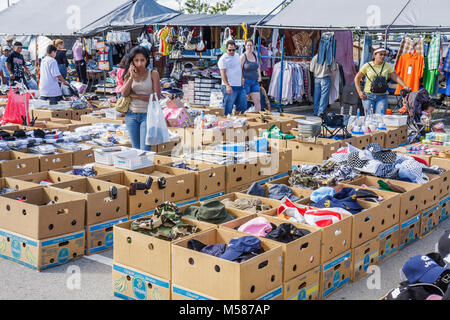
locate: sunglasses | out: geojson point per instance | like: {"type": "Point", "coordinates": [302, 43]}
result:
{"type": "Point", "coordinates": [231, 50]}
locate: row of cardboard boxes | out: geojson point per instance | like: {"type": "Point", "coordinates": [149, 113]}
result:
{"type": "Point", "coordinates": [69, 114]}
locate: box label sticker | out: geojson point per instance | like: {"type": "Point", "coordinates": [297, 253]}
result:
{"type": "Point", "coordinates": [139, 289]}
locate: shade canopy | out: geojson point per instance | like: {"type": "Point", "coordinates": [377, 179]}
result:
{"type": "Point", "coordinates": [53, 17]}
{"type": "Point", "coordinates": [204, 20]}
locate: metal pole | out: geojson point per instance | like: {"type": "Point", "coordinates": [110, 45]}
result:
{"type": "Point", "coordinates": [359, 49]}
{"type": "Point", "coordinates": [264, 18]}
{"type": "Point", "coordinates": [389, 27]}
{"type": "Point", "coordinates": [104, 71]}
{"type": "Point", "coordinates": [280, 106]}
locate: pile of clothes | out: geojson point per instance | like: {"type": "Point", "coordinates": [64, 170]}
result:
{"type": "Point", "coordinates": [253, 205]}
{"type": "Point", "coordinates": [427, 276]}
{"type": "Point", "coordinates": [385, 163]}
{"type": "Point", "coordinates": [275, 191]}
{"type": "Point", "coordinates": [238, 249]}
{"type": "Point", "coordinates": [165, 224]}
{"type": "Point", "coordinates": [330, 173]}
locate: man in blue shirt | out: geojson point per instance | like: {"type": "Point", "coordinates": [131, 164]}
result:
{"type": "Point", "coordinates": [4, 74]}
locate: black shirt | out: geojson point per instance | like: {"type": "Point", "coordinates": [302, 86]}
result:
{"type": "Point", "coordinates": [16, 62]}
{"type": "Point", "coordinates": [61, 57]}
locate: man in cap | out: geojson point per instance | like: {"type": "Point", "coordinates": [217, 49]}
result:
{"type": "Point", "coordinates": [9, 41]}
{"type": "Point", "coordinates": [16, 65]}
{"type": "Point", "coordinates": [4, 74]}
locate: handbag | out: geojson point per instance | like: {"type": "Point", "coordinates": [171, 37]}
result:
{"type": "Point", "coordinates": [226, 36]}
{"type": "Point", "coordinates": [123, 104]}
{"type": "Point", "coordinates": [188, 45]}
{"type": "Point", "coordinates": [177, 72]}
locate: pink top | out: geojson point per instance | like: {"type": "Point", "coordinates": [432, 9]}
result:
{"type": "Point", "coordinates": [119, 80]}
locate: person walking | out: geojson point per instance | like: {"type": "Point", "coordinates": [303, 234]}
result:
{"type": "Point", "coordinates": [80, 63]}
{"type": "Point", "coordinates": [61, 57]}
{"type": "Point", "coordinates": [3, 70]}
{"type": "Point", "coordinates": [377, 72]}
{"type": "Point", "coordinates": [15, 64]}
{"type": "Point", "coordinates": [49, 88]}
{"type": "Point", "coordinates": [232, 82]}
{"type": "Point", "coordinates": [251, 73]}
{"type": "Point", "coordinates": [322, 83]}
{"type": "Point", "coordinates": [139, 84]}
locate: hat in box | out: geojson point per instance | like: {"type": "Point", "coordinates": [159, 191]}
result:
{"type": "Point", "coordinates": [345, 199]}
{"type": "Point", "coordinates": [279, 191]}
{"type": "Point", "coordinates": [239, 246]}
{"type": "Point", "coordinates": [385, 156]}
{"type": "Point", "coordinates": [421, 268]}
{"type": "Point", "coordinates": [287, 232]}
{"type": "Point", "coordinates": [444, 247]}
{"type": "Point", "coordinates": [355, 161]}
{"type": "Point", "coordinates": [322, 192]}
{"type": "Point", "coordinates": [212, 212]}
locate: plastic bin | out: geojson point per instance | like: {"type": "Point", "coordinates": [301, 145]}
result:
{"type": "Point", "coordinates": [105, 155]}
{"type": "Point", "coordinates": [395, 120]}
{"type": "Point", "coordinates": [133, 159]}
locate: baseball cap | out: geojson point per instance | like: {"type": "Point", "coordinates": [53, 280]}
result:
{"type": "Point", "coordinates": [258, 227]}
{"type": "Point", "coordinates": [322, 192]}
{"type": "Point", "coordinates": [7, 48]}
{"type": "Point", "coordinates": [215, 249]}
{"type": "Point", "coordinates": [287, 232]}
{"type": "Point", "coordinates": [239, 246]}
{"type": "Point", "coordinates": [421, 268]}
{"type": "Point", "coordinates": [279, 191]}
{"type": "Point", "coordinates": [444, 247]}
{"type": "Point", "coordinates": [345, 199]}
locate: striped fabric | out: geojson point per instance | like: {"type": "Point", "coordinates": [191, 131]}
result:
{"type": "Point", "coordinates": [434, 53]}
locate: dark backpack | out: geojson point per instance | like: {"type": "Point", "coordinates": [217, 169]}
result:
{"type": "Point", "coordinates": [379, 83]}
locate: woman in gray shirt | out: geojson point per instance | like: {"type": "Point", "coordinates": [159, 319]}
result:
{"type": "Point", "coordinates": [251, 74]}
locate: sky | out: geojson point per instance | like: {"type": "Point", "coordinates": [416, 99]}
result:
{"type": "Point", "coordinates": [240, 6]}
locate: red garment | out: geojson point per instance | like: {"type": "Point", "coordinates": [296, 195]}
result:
{"type": "Point", "coordinates": [410, 69]}
{"type": "Point", "coordinates": [420, 160]}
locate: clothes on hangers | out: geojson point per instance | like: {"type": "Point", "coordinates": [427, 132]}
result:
{"type": "Point", "coordinates": [446, 71]}
{"type": "Point", "coordinates": [344, 54]}
{"type": "Point", "coordinates": [408, 45]}
{"type": "Point", "coordinates": [327, 49]}
{"type": "Point", "coordinates": [410, 69]}
{"type": "Point", "coordinates": [367, 50]}
{"type": "Point", "coordinates": [431, 72]}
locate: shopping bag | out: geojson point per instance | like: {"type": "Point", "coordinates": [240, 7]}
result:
{"type": "Point", "coordinates": [17, 108]}
{"type": "Point", "coordinates": [157, 131]}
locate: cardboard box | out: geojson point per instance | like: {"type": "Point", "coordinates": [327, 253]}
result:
{"type": "Point", "coordinates": [80, 157]}
{"type": "Point", "coordinates": [237, 175]}
{"type": "Point", "coordinates": [335, 274]}
{"type": "Point", "coordinates": [277, 143]}
{"type": "Point", "coordinates": [429, 220]}
{"type": "Point", "coordinates": [100, 206]}
{"type": "Point", "coordinates": [55, 161]}
{"type": "Point", "coordinates": [41, 254]}
{"type": "Point", "coordinates": [392, 138]}
{"type": "Point", "coordinates": [180, 184]}
{"type": "Point", "coordinates": [99, 237]}
{"type": "Point", "coordinates": [103, 172]}
{"type": "Point", "coordinates": [168, 146]}
{"type": "Point", "coordinates": [33, 218]}
{"type": "Point", "coordinates": [378, 137]}
{"type": "Point", "coordinates": [76, 114]}
{"type": "Point", "coordinates": [403, 135]}
{"type": "Point", "coordinates": [409, 231]}
{"type": "Point", "coordinates": [444, 164]}
{"type": "Point", "coordinates": [16, 184]}
{"type": "Point", "coordinates": [303, 287]}
{"type": "Point", "coordinates": [17, 163]}
{"type": "Point", "coordinates": [49, 176]}
{"type": "Point", "coordinates": [444, 203]}
{"type": "Point", "coordinates": [362, 140]}
{"type": "Point", "coordinates": [312, 152]}
{"type": "Point", "coordinates": [242, 281]}
{"type": "Point", "coordinates": [45, 114]}
{"type": "Point", "coordinates": [148, 254]}
{"type": "Point", "coordinates": [364, 256]}
{"type": "Point", "coordinates": [278, 161]}
{"type": "Point", "coordinates": [389, 242]}
{"type": "Point", "coordinates": [299, 255]}
{"type": "Point", "coordinates": [431, 192]}
{"type": "Point", "coordinates": [410, 201]}
{"type": "Point", "coordinates": [70, 124]}
{"type": "Point", "coordinates": [180, 293]}
{"type": "Point", "coordinates": [89, 118]}
{"type": "Point", "coordinates": [273, 204]}
{"type": "Point", "coordinates": [132, 284]}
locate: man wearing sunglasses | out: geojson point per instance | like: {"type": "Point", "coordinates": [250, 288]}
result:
{"type": "Point", "coordinates": [377, 73]}
{"type": "Point", "coordinates": [232, 82]}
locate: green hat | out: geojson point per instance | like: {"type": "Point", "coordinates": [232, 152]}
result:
{"type": "Point", "coordinates": [212, 212]}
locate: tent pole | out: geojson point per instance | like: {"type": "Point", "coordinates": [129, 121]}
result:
{"type": "Point", "coordinates": [264, 18]}
{"type": "Point", "coordinates": [280, 106]}
{"type": "Point", "coordinates": [389, 27]}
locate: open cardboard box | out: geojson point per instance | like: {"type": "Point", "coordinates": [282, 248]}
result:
{"type": "Point", "coordinates": [389, 243]}
{"type": "Point", "coordinates": [410, 201]}
{"type": "Point", "coordinates": [146, 253]}
{"type": "Point", "coordinates": [278, 161]}
{"type": "Point", "coordinates": [99, 237]}
{"type": "Point", "coordinates": [53, 161]}
{"type": "Point", "coordinates": [312, 152]}
{"type": "Point", "coordinates": [274, 204]}
{"type": "Point", "coordinates": [102, 172]}
{"type": "Point", "coordinates": [445, 185]}
{"type": "Point", "coordinates": [17, 163]}
{"type": "Point", "coordinates": [32, 217]}
{"type": "Point", "coordinates": [180, 184]}
{"type": "Point", "coordinates": [16, 184]}
{"type": "Point", "coordinates": [101, 206]}
{"type": "Point", "coordinates": [49, 176]}
{"type": "Point", "coordinates": [223, 279]}
{"type": "Point", "coordinates": [299, 255]}
{"type": "Point", "coordinates": [80, 157]}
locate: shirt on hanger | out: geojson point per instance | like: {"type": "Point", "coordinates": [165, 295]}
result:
{"type": "Point", "coordinates": [410, 69]}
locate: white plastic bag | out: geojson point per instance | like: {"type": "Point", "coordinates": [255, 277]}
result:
{"type": "Point", "coordinates": [157, 131]}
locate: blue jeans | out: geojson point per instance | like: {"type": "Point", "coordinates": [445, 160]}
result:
{"type": "Point", "coordinates": [378, 103]}
{"type": "Point", "coordinates": [63, 70]}
{"type": "Point", "coordinates": [327, 49]}
{"type": "Point", "coordinates": [137, 129]}
{"type": "Point", "coordinates": [251, 86]}
{"type": "Point", "coordinates": [367, 51]}
{"type": "Point", "coordinates": [53, 100]}
{"type": "Point", "coordinates": [322, 87]}
{"type": "Point", "coordinates": [238, 98]}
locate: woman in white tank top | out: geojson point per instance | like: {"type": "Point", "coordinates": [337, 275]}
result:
{"type": "Point", "coordinates": [139, 84]}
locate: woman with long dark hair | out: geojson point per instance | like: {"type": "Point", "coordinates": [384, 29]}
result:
{"type": "Point", "coordinates": [139, 84]}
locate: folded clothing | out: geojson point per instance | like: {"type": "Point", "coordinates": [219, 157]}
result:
{"type": "Point", "coordinates": [253, 205]}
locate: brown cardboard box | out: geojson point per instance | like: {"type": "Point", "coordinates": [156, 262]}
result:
{"type": "Point", "coordinates": [103, 172]}
{"type": "Point", "coordinates": [49, 176]}
{"type": "Point", "coordinates": [70, 124]}
{"type": "Point", "coordinates": [76, 114]}
{"type": "Point", "coordinates": [403, 135]}
{"type": "Point", "coordinates": [80, 157]}
{"type": "Point", "coordinates": [168, 146]}
{"type": "Point", "coordinates": [100, 206]}
{"type": "Point", "coordinates": [180, 293]}
{"type": "Point", "coordinates": [431, 192]}
{"type": "Point", "coordinates": [55, 161]}
{"type": "Point", "coordinates": [18, 163]}
{"type": "Point", "coordinates": [409, 231]}
{"type": "Point", "coordinates": [335, 274]}
{"type": "Point", "coordinates": [392, 138]}
{"type": "Point", "coordinates": [362, 140]}
{"type": "Point", "coordinates": [34, 218]}
{"type": "Point", "coordinates": [311, 152]}
{"type": "Point", "coordinates": [277, 143]}
{"type": "Point", "coordinates": [378, 137]}
{"type": "Point", "coordinates": [410, 201]}
{"type": "Point", "coordinates": [146, 253]}
{"type": "Point", "coordinates": [444, 212]}
{"type": "Point", "coordinates": [164, 160]}
{"type": "Point", "coordinates": [444, 164]}
{"type": "Point", "coordinates": [273, 204]}
{"type": "Point", "coordinates": [99, 237]}
{"type": "Point", "coordinates": [41, 254]}
{"type": "Point", "coordinates": [180, 184]}
{"type": "Point", "coordinates": [389, 207]}
{"type": "Point", "coordinates": [89, 118]}
{"type": "Point", "coordinates": [364, 256]}
{"type": "Point", "coordinates": [389, 242]}
{"type": "Point", "coordinates": [132, 284]}
{"type": "Point", "coordinates": [300, 255]}
{"type": "Point", "coordinates": [303, 287]}
{"type": "Point", "coordinates": [429, 220]}
{"type": "Point", "coordinates": [180, 132]}
{"type": "Point", "coordinates": [237, 175]}
{"type": "Point", "coordinates": [45, 114]}
{"type": "Point", "coordinates": [241, 281]}
{"type": "Point", "coordinates": [16, 184]}
{"type": "Point", "coordinates": [336, 238]}
{"type": "Point", "coordinates": [199, 137]}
